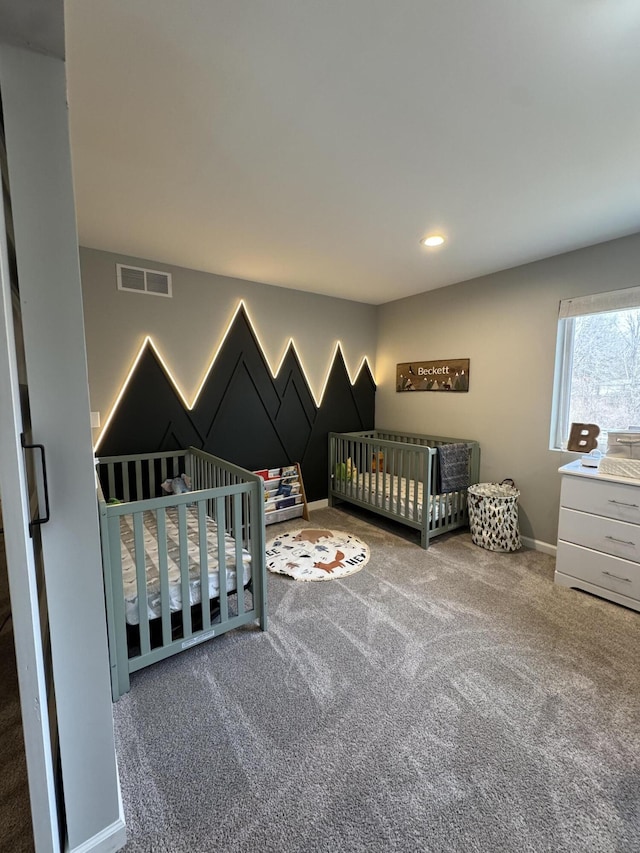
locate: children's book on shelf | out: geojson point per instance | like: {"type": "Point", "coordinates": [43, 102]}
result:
{"type": "Point", "coordinates": [283, 493]}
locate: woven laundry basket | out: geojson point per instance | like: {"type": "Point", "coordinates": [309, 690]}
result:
{"type": "Point", "coordinates": [493, 516]}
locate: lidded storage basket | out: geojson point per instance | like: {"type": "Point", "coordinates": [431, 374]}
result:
{"type": "Point", "coordinates": [624, 443]}
{"type": "Point", "coordinates": [493, 516]}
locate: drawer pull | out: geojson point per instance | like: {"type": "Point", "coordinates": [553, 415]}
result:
{"type": "Point", "coordinates": [620, 541]}
{"type": "Point", "coordinates": [622, 503]}
{"type": "Point", "coordinates": [617, 577]}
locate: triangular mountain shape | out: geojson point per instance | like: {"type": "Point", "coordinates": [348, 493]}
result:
{"type": "Point", "coordinates": [338, 412]}
{"type": "Point", "coordinates": [150, 416]}
{"type": "Point", "coordinates": [243, 414]}
{"type": "Point", "coordinates": [291, 371]}
{"type": "Point", "coordinates": [239, 347]}
{"type": "Point", "coordinates": [364, 394]}
{"type": "Point", "coordinates": [243, 432]}
{"type": "Point", "coordinates": [298, 410]}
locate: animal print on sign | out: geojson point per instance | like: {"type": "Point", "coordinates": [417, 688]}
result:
{"type": "Point", "coordinates": [316, 555]}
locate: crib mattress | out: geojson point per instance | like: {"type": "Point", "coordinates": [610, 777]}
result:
{"type": "Point", "coordinates": [368, 487]}
{"type": "Point", "coordinates": [173, 562]}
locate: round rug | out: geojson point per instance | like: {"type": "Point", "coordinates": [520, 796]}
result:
{"type": "Point", "coordinates": [316, 555]}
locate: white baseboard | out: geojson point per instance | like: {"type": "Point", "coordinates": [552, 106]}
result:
{"type": "Point", "coordinates": [108, 840]}
{"type": "Point", "coordinates": [537, 545]}
{"type": "Point", "coordinates": [318, 504]}
{"type": "Point", "coordinates": [534, 544]}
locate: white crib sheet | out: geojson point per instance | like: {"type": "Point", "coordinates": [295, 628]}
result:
{"type": "Point", "coordinates": [371, 486]}
{"type": "Point", "coordinates": [173, 562]}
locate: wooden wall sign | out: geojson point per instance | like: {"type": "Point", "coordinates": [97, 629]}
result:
{"type": "Point", "coordinates": [446, 375]}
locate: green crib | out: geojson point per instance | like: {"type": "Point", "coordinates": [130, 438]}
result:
{"type": "Point", "coordinates": [162, 554]}
{"type": "Point", "coordinates": [396, 475]}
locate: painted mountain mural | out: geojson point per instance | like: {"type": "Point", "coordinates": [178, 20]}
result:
{"type": "Point", "coordinates": [243, 414]}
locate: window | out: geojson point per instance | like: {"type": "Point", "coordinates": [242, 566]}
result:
{"type": "Point", "coordinates": [597, 378]}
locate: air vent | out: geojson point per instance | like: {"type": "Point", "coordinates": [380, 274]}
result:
{"type": "Point", "coordinates": [139, 280]}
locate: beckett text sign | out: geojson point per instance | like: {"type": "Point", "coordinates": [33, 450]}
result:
{"type": "Point", "coordinates": [445, 375]}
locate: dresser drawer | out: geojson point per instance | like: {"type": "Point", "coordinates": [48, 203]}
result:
{"type": "Point", "coordinates": [603, 534]}
{"type": "Point", "coordinates": [611, 573]}
{"type": "Point", "coordinates": [613, 500]}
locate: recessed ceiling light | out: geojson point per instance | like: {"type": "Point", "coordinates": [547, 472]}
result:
{"type": "Point", "coordinates": [433, 240]}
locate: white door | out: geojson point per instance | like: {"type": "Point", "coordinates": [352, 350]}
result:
{"type": "Point", "coordinates": [24, 500]}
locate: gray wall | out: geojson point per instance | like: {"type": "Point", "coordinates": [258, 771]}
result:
{"type": "Point", "coordinates": [506, 324]}
{"type": "Point", "coordinates": [188, 327]}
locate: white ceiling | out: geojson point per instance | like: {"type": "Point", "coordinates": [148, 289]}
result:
{"type": "Point", "coordinates": [312, 143]}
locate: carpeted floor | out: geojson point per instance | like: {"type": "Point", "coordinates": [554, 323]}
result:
{"type": "Point", "coordinates": [15, 816]}
{"type": "Point", "coordinates": [451, 701]}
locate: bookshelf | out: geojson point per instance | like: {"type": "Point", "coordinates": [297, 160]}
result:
{"type": "Point", "coordinates": [284, 493]}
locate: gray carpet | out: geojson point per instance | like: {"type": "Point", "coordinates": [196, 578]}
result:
{"type": "Point", "coordinates": [450, 700]}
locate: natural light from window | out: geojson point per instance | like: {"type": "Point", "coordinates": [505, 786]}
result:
{"type": "Point", "coordinates": [605, 373]}
{"type": "Point", "coordinates": [597, 376]}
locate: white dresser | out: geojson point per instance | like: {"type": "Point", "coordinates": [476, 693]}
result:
{"type": "Point", "coordinates": [599, 534]}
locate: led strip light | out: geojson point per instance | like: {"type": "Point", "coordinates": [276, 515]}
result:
{"type": "Point", "coordinates": [148, 342]}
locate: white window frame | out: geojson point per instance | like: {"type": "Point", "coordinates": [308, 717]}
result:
{"type": "Point", "coordinates": [598, 303]}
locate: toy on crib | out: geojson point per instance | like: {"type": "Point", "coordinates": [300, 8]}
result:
{"type": "Point", "coordinates": [346, 470]}
{"type": "Point", "coordinates": [377, 462]}
{"type": "Point", "coordinates": [177, 485]}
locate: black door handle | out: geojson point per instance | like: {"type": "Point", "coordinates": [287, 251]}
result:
{"type": "Point", "coordinates": [45, 484]}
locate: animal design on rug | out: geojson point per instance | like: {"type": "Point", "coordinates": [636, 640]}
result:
{"type": "Point", "coordinates": [312, 536]}
{"type": "Point", "coordinates": [329, 567]}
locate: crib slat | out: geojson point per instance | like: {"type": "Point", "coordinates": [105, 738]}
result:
{"type": "Point", "coordinates": [163, 469]}
{"type": "Point", "coordinates": [111, 480]}
{"type": "Point", "coordinates": [138, 469]}
{"type": "Point", "coordinates": [237, 535]}
{"type": "Point", "coordinates": [119, 615]}
{"type": "Point", "coordinates": [204, 565]}
{"type": "Point", "coordinates": [419, 463]}
{"type": "Point", "coordinates": [125, 482]}
{"type": "Point", "coordinates": [152, 478]}
{"type": "Point", "coordinates": [408, 454]}
{"type": "Point", "coordinates": [222, 560]}
{"type": "Point", "coordinates": [141, 583]}
{"type": "Point", "coordinates": [163, 570]}
{"type": "Point", "coordinates": [184, 571]}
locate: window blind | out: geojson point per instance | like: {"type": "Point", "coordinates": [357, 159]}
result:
{"type": "Point", "coordinates": [598, 303]}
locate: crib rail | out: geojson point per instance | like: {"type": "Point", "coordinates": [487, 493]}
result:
{"type": "Point", "coordinates": [395, 475]}
{"type": "Point", "coordinates": [222, 494]}
{"type": "Point", "coordinates": [139, 476]}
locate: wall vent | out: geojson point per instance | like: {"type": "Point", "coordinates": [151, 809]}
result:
{"type": "Point", "coordinates": [139, 280]}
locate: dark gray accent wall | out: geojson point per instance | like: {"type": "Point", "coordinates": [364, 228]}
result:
{"type": "Point", "coordinates": [243, 413]}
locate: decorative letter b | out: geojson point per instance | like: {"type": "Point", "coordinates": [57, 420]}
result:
{"type": "Point", "coordinates": [583, 437]}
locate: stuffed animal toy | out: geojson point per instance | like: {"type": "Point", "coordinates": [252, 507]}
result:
{"type": "Point", "coordinates": [346, 470]}
{"type": "Point", "coordinates": [177, 485]}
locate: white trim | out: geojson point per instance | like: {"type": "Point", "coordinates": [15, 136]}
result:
{"type": "Point", "coordinates": [599, 303]}
{"type": "Point", "coordinates": [322, 504]}
{"type": "Point", "coordinates": [108, 840]}
{"type": "Point", "coordinates": [561, 400]}
{"type": "Point", "coordinates": [537, 545]}
{"type": "Point", "coordinates": [145, 291]}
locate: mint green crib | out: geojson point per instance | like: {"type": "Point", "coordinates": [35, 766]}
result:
{"type": "Point", "coordinates": [395, 474]}
{"type": "Point", "coordinates": [161, 555]}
